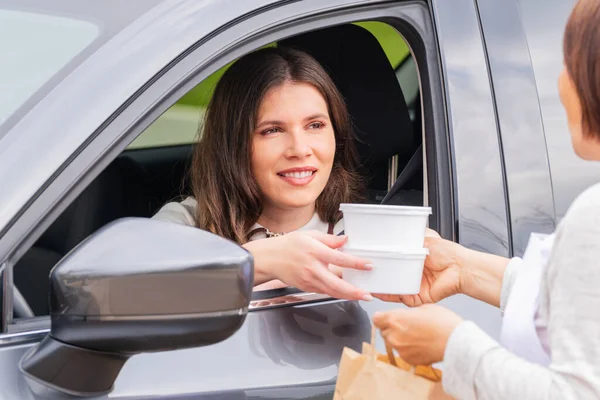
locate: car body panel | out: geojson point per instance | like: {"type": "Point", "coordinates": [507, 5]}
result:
{"type": "Point", "coordinates": [482, 207]}
{"type": "Point", "coordinates": [523, 143]}
{"type": "Point", "coordinates": [288, 347]}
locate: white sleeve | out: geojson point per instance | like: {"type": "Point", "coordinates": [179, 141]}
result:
{"type": "Point", "coordinates": [180, 213]}
{"type": "Point", "coordinates": [510, 273]}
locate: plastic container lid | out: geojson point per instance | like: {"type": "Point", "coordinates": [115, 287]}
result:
{"type": "Point", "coordinates": [384, 209]}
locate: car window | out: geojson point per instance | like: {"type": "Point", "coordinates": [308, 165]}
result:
{"type": "Point", "coordinates": [35, 47]}
{"type": "Point", "coordinates": [181, 124]}
{"type": "Point", "coordinates": [154, 170]}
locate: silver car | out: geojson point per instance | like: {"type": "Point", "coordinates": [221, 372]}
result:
{"type": "Point", "coordinates": [457, 108]}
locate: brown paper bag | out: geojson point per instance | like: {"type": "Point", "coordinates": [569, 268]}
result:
{"type": "Point", "coordinates": [371, 376]}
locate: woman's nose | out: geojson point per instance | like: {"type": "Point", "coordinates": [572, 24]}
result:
{"type": "Point", "coordinates": [299, 144]}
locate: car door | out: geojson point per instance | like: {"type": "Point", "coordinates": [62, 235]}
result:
{"type": "Point", "coordinates": [290, 344]}
{"type": "Point", "coordinates": [525, 155]}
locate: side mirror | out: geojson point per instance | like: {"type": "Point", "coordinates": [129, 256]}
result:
{"type": "Point", "coordinates": [137, 285]}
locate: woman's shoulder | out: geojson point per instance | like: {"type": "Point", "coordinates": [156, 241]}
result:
{"type": "Point", "coordinates": [584, 212]}
{"type": "Point", "coordinates": [576, 246]}
{"type": "Point", "coordinates": [179, 212]}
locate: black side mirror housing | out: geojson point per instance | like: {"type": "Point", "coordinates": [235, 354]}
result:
{"type": "Point", "coordinates": [137, 285]}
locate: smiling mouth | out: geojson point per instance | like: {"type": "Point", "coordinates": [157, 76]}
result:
{"type": "Point", "coordinates": [297, 174]}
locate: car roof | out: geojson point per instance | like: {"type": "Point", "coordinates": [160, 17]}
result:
{"type": "Point", "coordinates": [106, 11]}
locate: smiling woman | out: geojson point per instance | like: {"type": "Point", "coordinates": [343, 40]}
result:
{"type": "Point", "coordinates": [293, 148]}
{"type": "Point", "coordinates": [276, 159]}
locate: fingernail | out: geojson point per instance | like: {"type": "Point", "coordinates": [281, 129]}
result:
{"type": "Point", "coordinates": [369, 266]}
{"type": "Point", "coordinates": [367, 297]}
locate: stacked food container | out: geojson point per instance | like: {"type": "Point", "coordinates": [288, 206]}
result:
{"type": "Point", "coordinates": [392, 238]}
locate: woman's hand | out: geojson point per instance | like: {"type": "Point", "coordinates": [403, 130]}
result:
{"type": "Point", "coordinates": [441, 273]}
{"type": "Point", "coordinates": [305, 260]}
{"type": "Point", "coordinates": [420, 335]}
{"type": "Point", "coordinates": [452, 269]}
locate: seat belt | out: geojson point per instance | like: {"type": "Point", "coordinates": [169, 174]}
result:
{"type": "Point", "coordinates": [409, 170]}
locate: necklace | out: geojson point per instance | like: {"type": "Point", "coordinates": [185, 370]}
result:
{"type": "Point", "coordinates": [270, 234]}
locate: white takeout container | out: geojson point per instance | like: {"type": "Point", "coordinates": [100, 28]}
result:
{"type": "Point", "coordinates": [392, 273]}
{"type": "Point", "coordinates": [384, 227]}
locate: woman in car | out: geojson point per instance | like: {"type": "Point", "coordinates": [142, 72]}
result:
{"type": "Point", "coordinates": [275, 159]}
{"type": "Point", "coordinates": [550, 298]}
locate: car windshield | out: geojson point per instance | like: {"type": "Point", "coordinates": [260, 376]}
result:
{"type": "Point", "coordinates": [35, 47]}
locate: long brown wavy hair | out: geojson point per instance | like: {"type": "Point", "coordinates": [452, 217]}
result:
{"type": "Point", "coordinates": [229, 199]}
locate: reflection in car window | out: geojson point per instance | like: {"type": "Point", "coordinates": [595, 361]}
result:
{"type": "Point", "coordinates": [35, 47]}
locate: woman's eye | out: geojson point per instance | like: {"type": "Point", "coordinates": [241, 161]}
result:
{"type": "Point", "coordinates": [269, 131]}
{"type": "Point", "coordinates": [316, 125]}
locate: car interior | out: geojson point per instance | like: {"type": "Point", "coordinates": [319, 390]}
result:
{"type": "Point", "coordinates": [139, 181]}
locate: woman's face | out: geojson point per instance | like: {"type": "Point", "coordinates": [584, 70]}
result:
{"type": "Point", "coordinates": [293, 146]}
{"type": "Point", "coordinates": [585, 147]}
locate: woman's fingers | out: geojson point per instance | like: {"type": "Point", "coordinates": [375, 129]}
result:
{"type": "Point", "coordinates": [342, 260]}
{"type": "Point", "coordinates": [270, 285]}
{"type": "Point", "coordinates": [329, 255]}
{"type": "Point", "coordinates": [390, 298]}
{"type": "Point", "coordinates": [336, 287]}
{"type": "Point", "coordinates": [420, 335]}
{"type": "Point", "coordinates": [380, 320]}
{"type": "Point", "coordinates": [391, 319]}
{"type": "Point", "coordinates": [431, 233]}
{"type": "Point", "coordinates": [315, 265]}
{"type": "Point", "coordinates": [337, 271]}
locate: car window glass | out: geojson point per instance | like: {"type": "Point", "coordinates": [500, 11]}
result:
{"type": "Point", "coordinates": [35, 47]}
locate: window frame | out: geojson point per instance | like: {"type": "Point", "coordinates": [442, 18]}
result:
{"type": "Point", "coordinates": [412, 19]}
